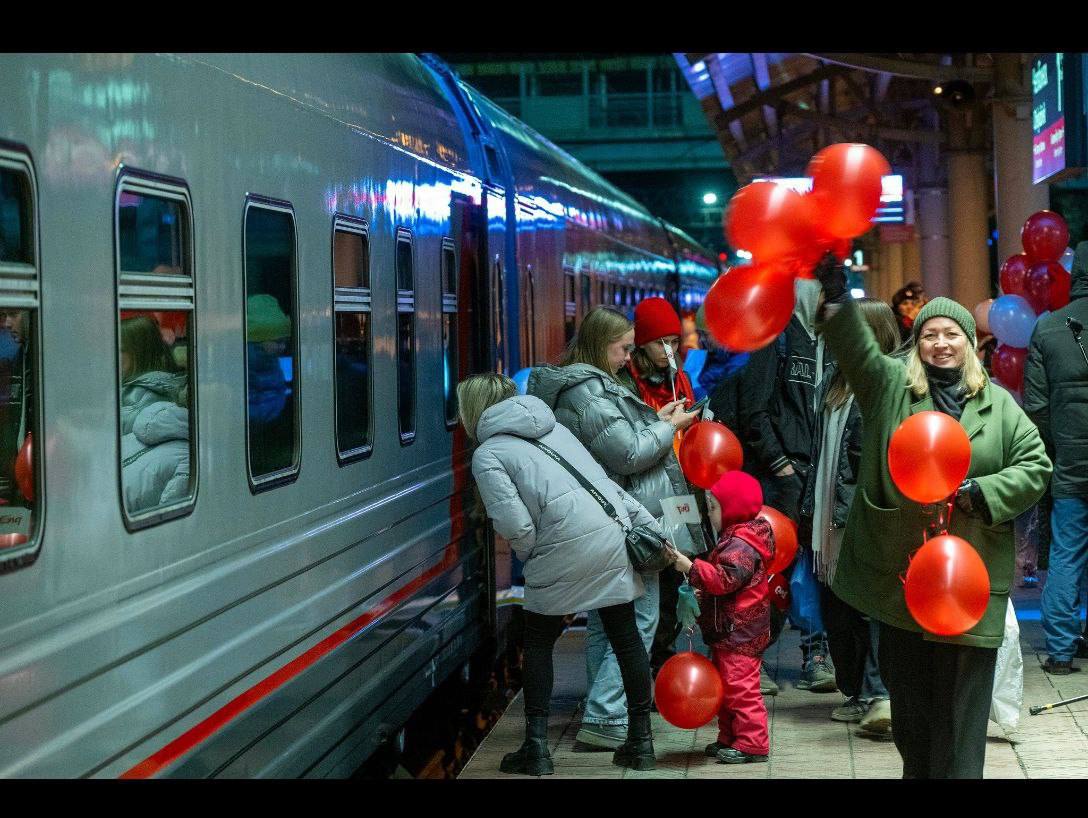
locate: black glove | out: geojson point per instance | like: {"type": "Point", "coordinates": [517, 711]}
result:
{"type": "Point", "coordinates": [970, 500]}
{"type": "Point", "coordinates": [832, 277]}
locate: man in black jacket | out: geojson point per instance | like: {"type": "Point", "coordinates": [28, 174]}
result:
{"type": "Point", "coordinates": [1056, 399]}
{"type": "Point", "coordinates": [776, 412]}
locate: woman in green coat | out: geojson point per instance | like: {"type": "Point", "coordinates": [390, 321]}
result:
{"type": "Point", "coordinates": [940, 686]}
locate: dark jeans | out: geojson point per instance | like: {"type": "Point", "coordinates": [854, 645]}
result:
{"type": "Point", "coordinates": [668, 625]}
{"type": "Point", "coordinates": [852, 639]}
{"type": "Point", "coordinates": [541, 631]}
{"type": "Point", "coordinates": [940, 696]}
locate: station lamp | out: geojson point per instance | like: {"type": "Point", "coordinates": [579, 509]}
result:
{"type": "Point", "coordinates": [710, 198]}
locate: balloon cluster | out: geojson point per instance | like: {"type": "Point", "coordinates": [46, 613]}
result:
{"type": "Point", "coordinates": [1033, 282]}
{"type": "Point", "coordinates": [947, 587]}
{"type": "Point", "coordinates": [787, 234]}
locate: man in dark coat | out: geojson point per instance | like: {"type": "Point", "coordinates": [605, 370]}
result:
{"type": "Point", "coordinates": [775, 400]}
{"type": "Point", "coordinates": [1056, 399]}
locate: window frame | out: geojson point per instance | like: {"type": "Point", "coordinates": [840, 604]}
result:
{"type": "Point", "coordinates": [360, 299]}
{"type": "Point", "coordinates": [17, 158]}
{"type": "Point", "coordinates": [450, 306]}
{"type": "Point", "coordinates": [289, 475]}
{"type": "Point", "coordinates": [165, 293]}
{"type": "Point", "coordinates": [405, 303]}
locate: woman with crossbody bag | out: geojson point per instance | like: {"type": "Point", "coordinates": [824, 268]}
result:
{"type": "Point", "coordinates": [568, 523]}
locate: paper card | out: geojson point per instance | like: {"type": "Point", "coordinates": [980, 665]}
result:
{"type": "Point", "coordinates": [681, 509]}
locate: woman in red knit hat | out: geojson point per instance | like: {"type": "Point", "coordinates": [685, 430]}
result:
{"type": "Point", "coordinates": [654, 374]}
{"type": "Point", "coordinates": [654, 371]}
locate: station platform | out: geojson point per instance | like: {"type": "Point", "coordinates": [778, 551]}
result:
{"type": "Point", "coordinates": [805, 742]}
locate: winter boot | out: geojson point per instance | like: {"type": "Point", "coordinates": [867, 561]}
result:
{"type": "Point", "coordinates": [638, 751]}
{"type": "Point", "coordinates": [533, 758]}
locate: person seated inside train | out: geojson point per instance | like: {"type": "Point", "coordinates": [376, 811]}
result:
{"type": "Point", "coordinates": [268, 333]}
{"type": "Point", "coordinates": [155, 456]}
{"type": "Point", "coordinates": [149, 372]}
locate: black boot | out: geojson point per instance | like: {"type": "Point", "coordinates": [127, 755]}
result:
{"type": "Point", "coordinates": [638, 751]}
{"type": "Point", "coordinates": [533, 757]}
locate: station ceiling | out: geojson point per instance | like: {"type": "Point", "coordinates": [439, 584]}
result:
{"type": "Point", "coordinates": [772, 111]}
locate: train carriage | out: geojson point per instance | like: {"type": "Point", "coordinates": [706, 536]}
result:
{"type": "Point", "coordinates": [324, 245]}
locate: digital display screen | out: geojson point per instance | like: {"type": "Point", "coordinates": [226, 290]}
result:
{"type": "Point", "coordinates": [1047, 116]}
{"type": "Point", "coordinates": [891, 194]}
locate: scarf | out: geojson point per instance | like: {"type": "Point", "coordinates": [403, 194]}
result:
{"type": "Point", "coordinates": [944, 387]}
{"type": "Point", "coordinates": [826, 539]}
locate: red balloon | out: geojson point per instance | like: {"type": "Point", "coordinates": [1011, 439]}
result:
{"type": "Point", "coordinates": [929, 456]}
{"type": "Point", "coordinates": [1061, 282]}
{"type": "Point", "coordinates": [749, 306]}
{"type": "Point", "coordinates": [1040, 282]}
{"type": "Point", "coordinates": [785, 538]}
{"type": "Point", "coordinates": [688, 690]}
{"type": "Point", "coordinates": [1013, 273]}
{"type": "Point", "coordinates": [1008, 366]}
{"type": "Point", "coordinates": [846, 187]}
{"type": "Point", "coordinates": [708, 451]}
{"type": "Point", "coordinates": [1045, 236]}
{"type": "Point", "coordinates": [770, 221]}
{"type": "Point", "coordinates": [948, 586]}
{"type": "Point", "coordinates": [24, 468]}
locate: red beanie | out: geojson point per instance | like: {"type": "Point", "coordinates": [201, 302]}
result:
{"type": "Point", "coordinates": [739, 495]}
{"type": "Point", "coordinates": [655, 318]}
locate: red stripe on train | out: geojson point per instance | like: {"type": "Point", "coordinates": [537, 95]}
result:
{"type": "Point", "coordinates": [235, 707]}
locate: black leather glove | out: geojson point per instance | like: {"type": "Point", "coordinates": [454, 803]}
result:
{"type": "Point", "coordinates": [971, 500]}
{"type": "Point", "coordinates": [832, 277]}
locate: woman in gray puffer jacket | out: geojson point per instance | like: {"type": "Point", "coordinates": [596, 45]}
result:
{"type": "Point", "coordinates": [574, 552]}
{"type": "Point", "coordinates": [634, 444]}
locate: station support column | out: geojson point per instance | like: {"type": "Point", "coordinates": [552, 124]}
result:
{"type": "Point", "coordinates": [1015, 196]}
{"type": "Point", "coordinates": [968, 206]}
{"type": "Point", "coordinates": [931, 221]}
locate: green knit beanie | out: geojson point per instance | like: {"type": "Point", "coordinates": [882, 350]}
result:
{"type": "Point", "coordinates": [942, 307]}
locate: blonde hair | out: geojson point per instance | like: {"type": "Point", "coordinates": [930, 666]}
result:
{"type": "Point", "coordinates": [972, 381]}
{"type": "Point", "coordinates": [881, 320]}
{"type": "Point", "coordinates": [478, 393]}
{"type": "Point", "coordinates": [601, 327]}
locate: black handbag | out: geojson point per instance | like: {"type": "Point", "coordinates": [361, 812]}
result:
{"type": "Point", "coordinates": [647, 550]}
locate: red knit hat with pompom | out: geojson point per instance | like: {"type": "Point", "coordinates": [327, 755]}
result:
{"type": "Point", "coordinates": [739, 495]}
{"type": "Point", "coordinates": [655, 318]}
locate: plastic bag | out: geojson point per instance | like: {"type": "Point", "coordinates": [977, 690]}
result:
{"type": "Point", "coordinates": [1008, 677]}
{"type": "Point", "coordinates": [687, 606]}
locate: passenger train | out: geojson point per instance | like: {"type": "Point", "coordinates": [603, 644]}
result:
{"type": "Point", "coordinates": [239, 535]}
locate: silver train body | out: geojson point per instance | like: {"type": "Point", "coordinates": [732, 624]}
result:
{"type": "Point", "coordinates": [277, 629]}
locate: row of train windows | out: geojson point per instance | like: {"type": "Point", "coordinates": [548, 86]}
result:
{"type": "Point", "coordinates": [156, 349]}
{"type": "Point", "coordinates": [609, 292]}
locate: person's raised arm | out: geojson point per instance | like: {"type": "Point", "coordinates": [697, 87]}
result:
{"type": "Point", "coordinates": [872, 375]}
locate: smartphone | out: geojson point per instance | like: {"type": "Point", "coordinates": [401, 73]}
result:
{"type": "Point", "coordinates": [698, 407]}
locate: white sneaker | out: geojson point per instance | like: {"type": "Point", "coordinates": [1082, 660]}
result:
{"type": "Point", "coordinates": [878, 719]}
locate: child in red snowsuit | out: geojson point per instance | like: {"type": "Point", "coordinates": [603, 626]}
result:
{"type": "Point", "coordinates": [735, 613]}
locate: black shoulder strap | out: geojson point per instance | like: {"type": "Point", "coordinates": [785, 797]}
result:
{"type": "Point", "coordinates": [609, 509]}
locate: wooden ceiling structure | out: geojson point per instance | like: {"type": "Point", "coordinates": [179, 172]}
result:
{"type": "Point", "coordinates": [772, 112]}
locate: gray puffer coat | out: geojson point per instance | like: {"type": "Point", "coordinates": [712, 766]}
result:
{"type": "Point", "coordinates": [574, 553]}
{"type": "Point", "coordinates": [155, 457]}
{"type": "Point", "coordinates": [145, 389]}
{"type": "Point", "coordinates": [620, 430]}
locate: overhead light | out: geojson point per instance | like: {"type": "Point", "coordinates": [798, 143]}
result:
{"type": "Point", "coordinates": [710, 198]}
{"type": "Point", "coordinates": [743, 254]}
{"type": "Point", "coordinates": [937, 89]}
{"type": "Point", "coordinates": [699, 67]}
{"type": "Point", "coordinates": [857, 292]}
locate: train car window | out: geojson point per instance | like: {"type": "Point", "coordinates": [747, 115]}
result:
{"type": "Point", "coordinates": [602, 288]}
{"type": "Point", "coordinates": [16, 225]}
{"type": "Point", "coordinates": [451, 370]}
{"type": "Point", "coordinates": [271, 335]}
{"type": "Point", "coordinates": [352, 341]}
{"type": "Point", "coordinates": [587, 292]}
{"type": "Point", "coordinates": [406, 334]}
{"type": "Point", "coordinates": [21, 480]}
{"type": "Point", "coordinates": [155, 349]}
